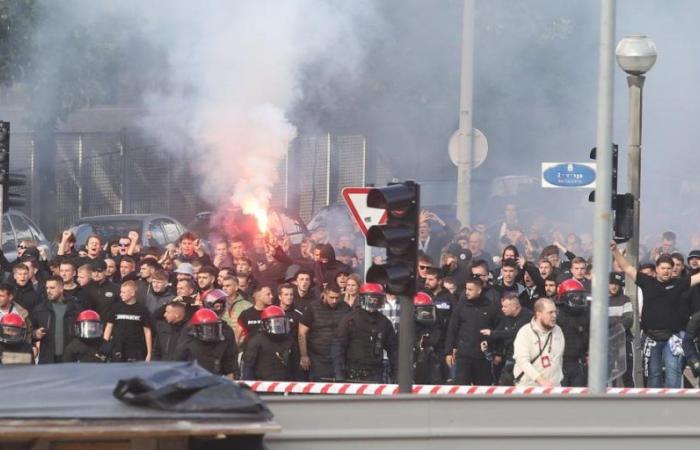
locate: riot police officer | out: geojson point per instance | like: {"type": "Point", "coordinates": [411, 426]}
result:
{"type": "Point", "coordinates": [272, 354]}
{"type": "Point", "coordinates": [211, 344]}
{"type": "Point", "coordinates": [430, 340]}
{"type": "Point", "coordinates": [362, 337]}
{"type": "Point", "coordinates": [87, 345]}
{"type": "Point", "coordinates": [573, 319]}
{"type": "Point", "coordinates": [13, 340]}
{"type": "Point", "coordinates": [215, 300]}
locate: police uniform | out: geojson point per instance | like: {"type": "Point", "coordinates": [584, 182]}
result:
{"type": "Point", "coordinates": [575, 326]}
{"type": "Point", "coordinates": [86, 351]}
{"type": "Point", "coordinates": [270, 358]}
{"type": "Point", "coordinates": [428, 348]}
{"type": "Point", "coordinates": [219, 358]}
{"type": "Point", "coordinates": [16, 354]}
{"type": "Point", "coordinates": [359, 345]}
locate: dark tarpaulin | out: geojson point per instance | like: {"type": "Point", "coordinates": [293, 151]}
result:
{"type": "Point", "coordinates": [85, 391]}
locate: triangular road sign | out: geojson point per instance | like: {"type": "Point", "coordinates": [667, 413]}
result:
{"type": "Point", "coordinates": [365, 217]}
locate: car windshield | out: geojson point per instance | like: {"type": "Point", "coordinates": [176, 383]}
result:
{"type": "Point", "coordinates": [107, 231]}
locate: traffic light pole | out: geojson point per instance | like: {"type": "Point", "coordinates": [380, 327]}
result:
{"type": "Point", "coordinates": [602, 223]}
{"type": "Point", "coordinates": [406, 341]}
{"type": "Point", "coordinates": [634, 169]}
{"type": "Point", "coordinates": [2, 213]}
{"type": "Point", "coordinates": [399, 236]}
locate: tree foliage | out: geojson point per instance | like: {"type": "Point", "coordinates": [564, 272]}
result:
{"type": "Point", "coordinates": [17, 25]}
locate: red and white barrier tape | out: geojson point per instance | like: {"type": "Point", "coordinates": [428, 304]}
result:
{"type": "Point", "coordinates": [292, 387]}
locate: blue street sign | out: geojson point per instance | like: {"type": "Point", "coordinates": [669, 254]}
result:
{"type": "Point", "coordinates": [568, 175]}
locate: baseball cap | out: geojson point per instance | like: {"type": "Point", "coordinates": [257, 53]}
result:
{"type": "Point", "coordinates": [185, 269]}
{"type": "Point", "coordinates": [99, 265]}
{"type": "Point", "coordinates": [617, 278]}
{"type": "Point", "coordinates": [693, 254]}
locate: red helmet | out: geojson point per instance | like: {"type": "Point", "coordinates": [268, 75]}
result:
{"type": "Point", "coordinates": [274, 321]}
{"type": "Point", "coordinates": [572, 294]}
{"type": "Point", "coordinates": [13, 329]}
{"type": "Point", "coordinates": [206, 326]}
{"type": "Point", "coordinates": [422, 299]}
{"type": "Point", "coordinates": [88, 325]}
{"type": "Point", "coordinates": [372, 288]}
{"type": "Point", "coordinates": [371, 296]}
{"type": "Point", "coordinates": [272, 311]}
{"type": "Point", "coordinates": [216, 301]}
{"type": "Point", "coordinates": [425, 312]}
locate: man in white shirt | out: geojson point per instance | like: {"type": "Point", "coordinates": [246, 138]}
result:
{"type": "Point", "coordinates": [539, 348]}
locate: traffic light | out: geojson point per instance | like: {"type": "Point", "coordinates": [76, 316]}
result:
{"type": "Point", "coordinates": [621, 204]}
{"type": "Point", "coordinates": [399, 236]}
{"type": "Point", "coordinates": [594, 151]}
{"type": "Point", "coordinates": [623, 227]}
{"type": "Point", "coordinates": [8, 180]}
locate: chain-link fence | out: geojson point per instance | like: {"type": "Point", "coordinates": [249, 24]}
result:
{"type": "Point", "coordinates": [107, 173]}
{"type": "Point", "coordinates": [323, 166]}
{"type": "Point", "coordinates": [125, 172]}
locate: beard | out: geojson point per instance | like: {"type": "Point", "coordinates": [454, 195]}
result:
{"type": "Point", "coordinates": [546, 326]}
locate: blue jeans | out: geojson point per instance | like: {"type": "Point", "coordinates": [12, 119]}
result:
{"type": "Point", "coordinates": [663, 368]}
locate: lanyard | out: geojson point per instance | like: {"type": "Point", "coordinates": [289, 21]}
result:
{"type": "Point", "coordinates": [547, 341]}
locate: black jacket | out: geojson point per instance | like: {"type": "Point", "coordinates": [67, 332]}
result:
{"type": "Point", "coordinates": [468, 318]}
{"type": "Point", "coordinates": [689, 340]}
{"type": "Point", "coordinates": [219, 358]}
{"type": "Point", "coordinates": [168, 339]}
{"type": "Point", "coordinates": [87, 351]}
{"type": "Point", "coordinates": [25, 295]}
{"type": "Point", "coordinates": [531, 294]}
{"type": "Point", "coordinates": [503, 336]}
{"type": "Point", "coordinates": [575, 326]}
{"type": "Point", "coordinates": [43, 316]}
{"type": "Point", "coordinates": [322, 321]}
{"type": "Point", "coordinates": [103, 296]}
{"type": "Point", "coordinates": [269, 358]}
{"type": "Point", "coordinates": [360, 342]}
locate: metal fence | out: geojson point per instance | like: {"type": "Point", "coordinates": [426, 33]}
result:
{"type": "Point", "coordinates": [323, 166]}
{"type": "Point", "coordinates": [125, 172]}
{"type": "Point", "coordinates": [108, 173]}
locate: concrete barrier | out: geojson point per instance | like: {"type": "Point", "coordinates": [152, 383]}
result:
{"type": "Point", "coordinates": [485, 422]}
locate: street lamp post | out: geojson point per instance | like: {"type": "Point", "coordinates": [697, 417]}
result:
{"type": "Point", "coordinates": [466, 102]}
{"type": "Point", "coordinates": [636, 55]}
{"type": "Point", "coordinates": [602, 225]}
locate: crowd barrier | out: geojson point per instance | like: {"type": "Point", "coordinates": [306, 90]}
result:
{"type": "Point", "coordinates": [292, 387]}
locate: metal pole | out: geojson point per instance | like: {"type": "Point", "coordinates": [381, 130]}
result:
{"type": "Point", "coordinates": [368, 258]}
{"type": "Point", "coordinates": [2, 217]}
{"type": "Point", "coordinates": [406, 339]}
{"type": "Point", "coordinates": [634, 169]}
{"type": "Point", "coordinates": [466, 100]}
{"type": "Point", "coordinates": [602, 224]}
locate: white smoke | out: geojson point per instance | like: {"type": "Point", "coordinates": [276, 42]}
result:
{"type": "Point", "coordinates": [235, 72]}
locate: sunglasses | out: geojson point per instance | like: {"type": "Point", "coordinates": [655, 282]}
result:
{"type": "Point", "coordinates": [21, 247]}
{"type": "Point", "coordinates": [421, 267]}
{"type": "Point", "coordinates": [123, 245]}
{"type": "Point", "coordinates": [478, 275]}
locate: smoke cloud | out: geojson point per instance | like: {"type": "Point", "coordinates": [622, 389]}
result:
{"type": "Point", "coordinates": [238, 80]}
{"type": "Point", "coordinates": [235, 73]}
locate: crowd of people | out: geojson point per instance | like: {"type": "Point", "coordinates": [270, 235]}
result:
{"type": "Point", "coordinates": [258, 307]}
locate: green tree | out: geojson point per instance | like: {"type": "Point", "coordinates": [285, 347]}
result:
{"type": "Point", "coordinates": [18, 20]}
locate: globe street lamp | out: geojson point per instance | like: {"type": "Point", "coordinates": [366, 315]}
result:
{"type": "Point", "coordinates": [635, 55]}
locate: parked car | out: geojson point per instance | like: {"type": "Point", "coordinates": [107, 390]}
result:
{"type": "Point", "coordinates": [16, 226]}
{"type": "Point", "coordinates": [164, 229]}
{"type": "Point", "coordinates": [208, 224]}
{"type": "Point", "coordinates": [332, 218]}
